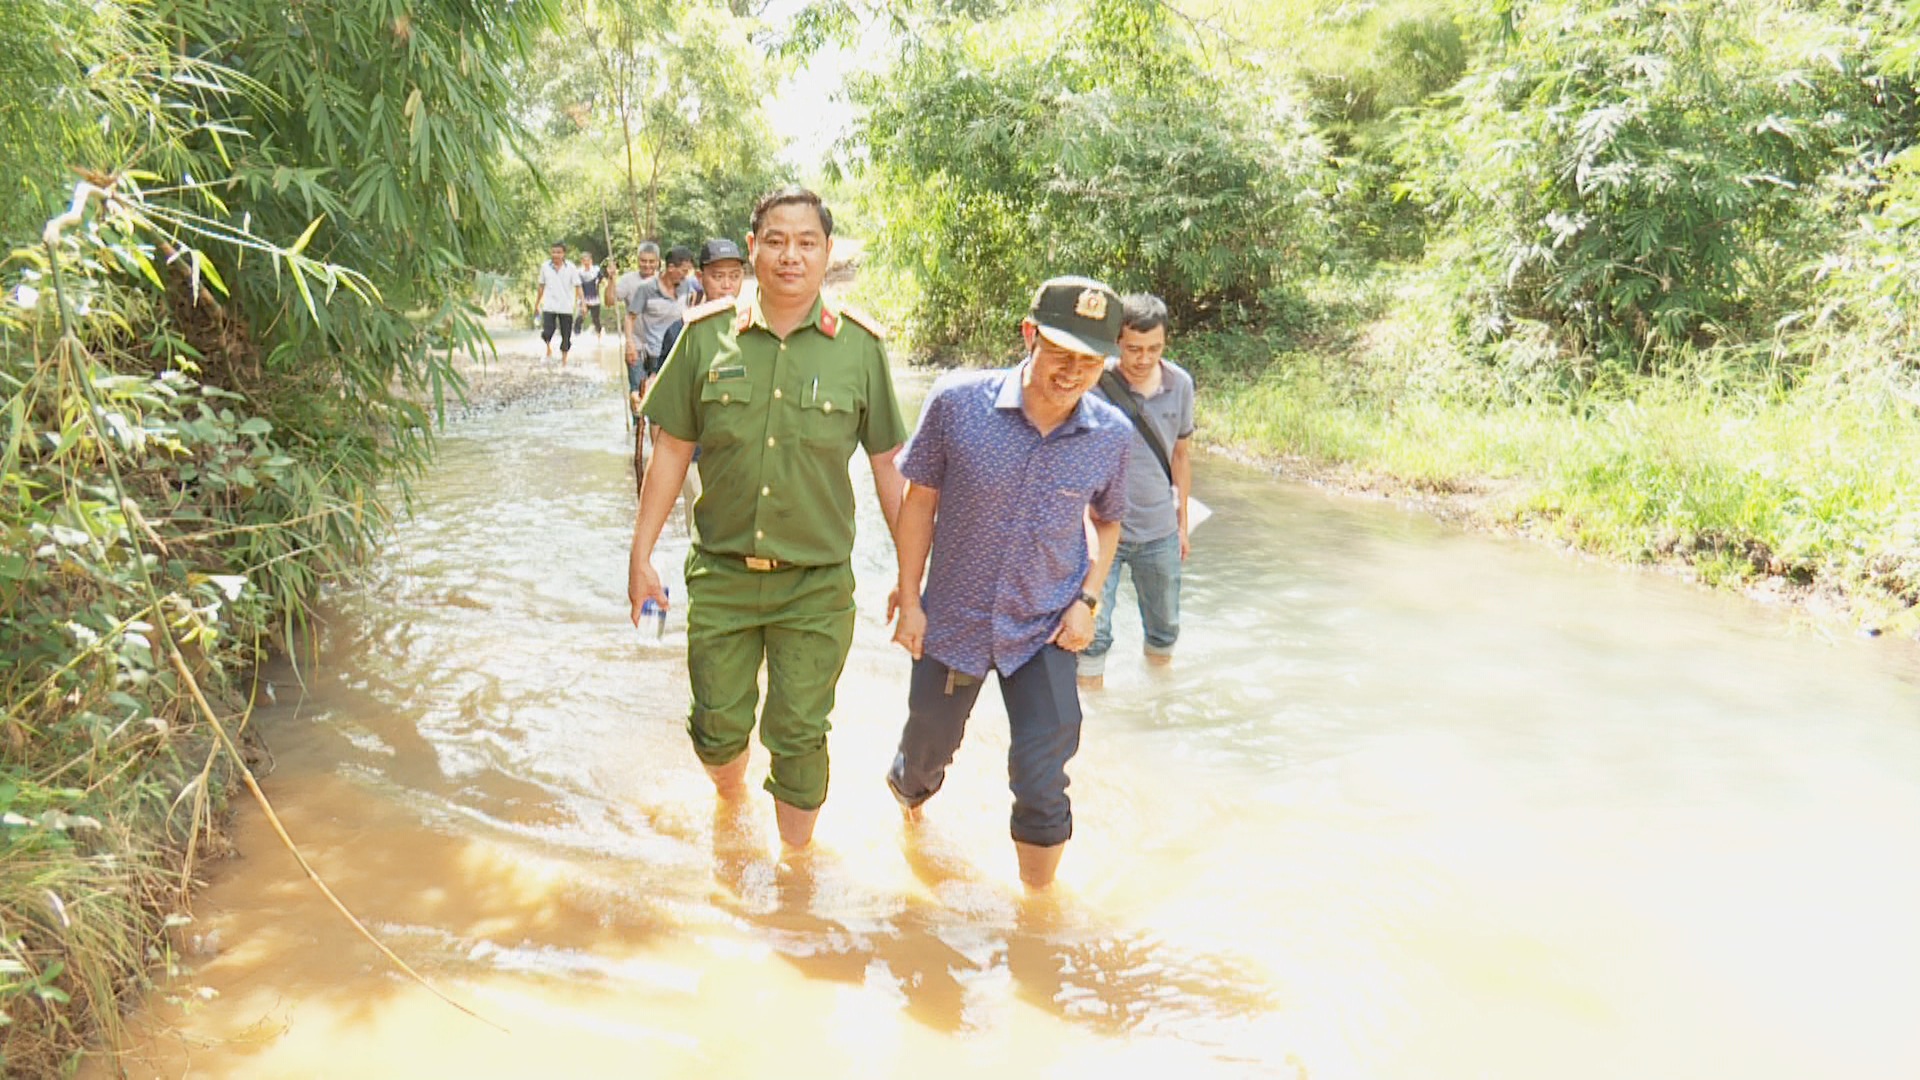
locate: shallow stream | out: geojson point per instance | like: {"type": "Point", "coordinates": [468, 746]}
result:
{"type": "Point", "coordinates": [1411, 805]}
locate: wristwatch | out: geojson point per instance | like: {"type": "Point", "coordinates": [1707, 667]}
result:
{"type": "Point", "coordinates": [1092, 602]}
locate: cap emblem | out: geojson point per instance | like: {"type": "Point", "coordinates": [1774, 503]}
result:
{"type": "Point", "coordinates": [1092, 304]}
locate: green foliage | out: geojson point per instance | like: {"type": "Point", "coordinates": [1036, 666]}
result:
{"type": "Point", "coordinates": [200, 424]}
{"type": "Point", "coordinates": [1368, 62]}
{"type": "Point", "coordinates": [1368, 67]}
{"type": "Point", "coordinates": [385, 125]}
{"type": "Point", "coordinates": [1642, 175]}
{"type": "Point", "coordinates": [1867, 326]}
{"type": "Point", "coordinates": [152, 522]}
{"type": "Point", "coordinates": [1807, 487]}
{"type": "Point", "coordinates": [1645, 267]}
{"type": "Point", "coordinates": [995, 159]}
{"type": "Point", "coordinates": [577, 198]}
{"type": "Point", "coordinates": [652, 125]}
{"type": "Point", "coordinates": [32, 134]}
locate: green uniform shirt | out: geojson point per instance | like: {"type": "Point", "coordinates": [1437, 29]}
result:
{"type": "Point", "coordinates": [776, 422]}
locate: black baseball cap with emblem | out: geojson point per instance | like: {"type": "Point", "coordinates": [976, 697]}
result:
{"type": "Point", "coordinates": [720, 249]}
{"type": "Point", "coordinates": [1078, 313]}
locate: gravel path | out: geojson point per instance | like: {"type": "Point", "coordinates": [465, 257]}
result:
{"type": "Point", "coordinates": [520, 376]}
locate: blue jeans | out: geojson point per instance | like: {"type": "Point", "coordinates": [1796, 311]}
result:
{"type": "Point", "coordinates": [1156, 583]}
{"type": "Point", "coordinates": [1043, 717]}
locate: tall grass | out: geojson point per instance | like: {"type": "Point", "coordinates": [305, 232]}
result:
{"type": "Point", "coordinates": [1818, 485]}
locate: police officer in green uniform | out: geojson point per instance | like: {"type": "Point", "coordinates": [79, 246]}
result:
{"type": "Point", "coordinates": [775, 393]}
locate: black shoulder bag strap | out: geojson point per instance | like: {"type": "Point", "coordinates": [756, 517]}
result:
{"type": "Point", "coordinates": [1122, 399]}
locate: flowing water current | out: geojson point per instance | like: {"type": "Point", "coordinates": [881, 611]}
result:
{"type": "Point", "coordinates": [1410, 805]}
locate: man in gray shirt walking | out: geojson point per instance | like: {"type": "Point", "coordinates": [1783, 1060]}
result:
{"type": "Point", "coordinates": [652, 306]}
{"type": "Point", "coordinates": [1153, 536]}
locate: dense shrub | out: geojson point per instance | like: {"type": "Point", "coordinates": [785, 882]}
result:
{"type": "Point", "coordinates": [1103, 147]}
{"type": "Point", "coordinates": [1642, 177]}
{"type": "Point", "coordinates": [202, 423]}
{"type": "Point", "coordinates": [1867, 321]}
{"type": "Point", "coordinates": [1369, 67]}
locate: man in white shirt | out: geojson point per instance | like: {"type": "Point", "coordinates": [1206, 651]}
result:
{"type": "Point", "coordinates": [558, 299]}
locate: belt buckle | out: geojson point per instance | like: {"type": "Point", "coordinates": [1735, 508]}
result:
{"type": "Point", "coordinates": [756, 563]}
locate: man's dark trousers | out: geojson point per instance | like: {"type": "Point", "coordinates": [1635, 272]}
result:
{"type": "Point", "coordinates": [1043, 716]}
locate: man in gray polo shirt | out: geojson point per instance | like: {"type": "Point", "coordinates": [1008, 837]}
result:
{"type": "Point", "coordinates": [652, 306]}
{"type": "Point", "coordinates": [1153, 535]}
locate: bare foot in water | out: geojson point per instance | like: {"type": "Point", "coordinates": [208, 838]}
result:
{"type": "Point", "coordinates": [730, 780]}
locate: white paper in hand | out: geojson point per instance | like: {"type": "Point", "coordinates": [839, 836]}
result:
{"type": "Point", "coordinates": [1197, 514]}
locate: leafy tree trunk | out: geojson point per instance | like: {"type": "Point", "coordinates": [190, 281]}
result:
{"type": "Point", "coordinates": [618, 64]}
{"type": "Point", "coordinates": [653, 193]}
{"type": "Point", "coordinates": [633, 194]}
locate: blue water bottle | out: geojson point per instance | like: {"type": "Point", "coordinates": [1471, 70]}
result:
{"type": "Point", "coordinates": [652, 608]}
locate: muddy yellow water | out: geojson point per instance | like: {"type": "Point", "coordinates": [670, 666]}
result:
{"type": "Point", "coordinates": [1410, 804]}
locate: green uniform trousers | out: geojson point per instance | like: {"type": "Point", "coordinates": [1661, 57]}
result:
{"type": "Point", "coordinates": [800, 621]}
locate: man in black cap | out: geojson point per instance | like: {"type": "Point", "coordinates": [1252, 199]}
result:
{"type": "Point", "coordinates": [1006, 473]}
{"type": "Point", "coordinates": [723, 269]}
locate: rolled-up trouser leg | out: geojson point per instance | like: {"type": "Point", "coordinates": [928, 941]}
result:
{"type": "Point", "coordinates": [939, 700]}
{"type": "Point", "coordinates": [1043, 717]}
{"type": "Point", "coordinates": [809, 629]}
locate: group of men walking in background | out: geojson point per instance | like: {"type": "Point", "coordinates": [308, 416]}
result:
{"type": "Point", "coordinates": [648, 301]}
{"type": "Point", "coordinates": [1009, 506]}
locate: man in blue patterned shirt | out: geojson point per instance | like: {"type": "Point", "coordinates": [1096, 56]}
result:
{"type": "Point", "coordinates": [1017, 484]}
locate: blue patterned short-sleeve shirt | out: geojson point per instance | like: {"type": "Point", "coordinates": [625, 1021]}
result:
{"type": "Point", "coordinates": [1009, 547]}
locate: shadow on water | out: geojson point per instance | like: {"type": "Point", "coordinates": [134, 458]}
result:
{"type": "Point", "coordinates": [450, 904]}
{"type": "Point", "coordinates": [1410, 805]}
{"type": "Point", "coordinates": [943, 954]}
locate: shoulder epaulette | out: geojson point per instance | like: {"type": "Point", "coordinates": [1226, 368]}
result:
{"type": "Point", "coordinates": [712, 307]}
{"type": "Point", "coordinates": [864, 321]}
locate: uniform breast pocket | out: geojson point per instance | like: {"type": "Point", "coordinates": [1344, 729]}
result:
{"type": "Point", "coordinates": [723, 409]}
{"type": "Point", "coordinates": [829, 415]}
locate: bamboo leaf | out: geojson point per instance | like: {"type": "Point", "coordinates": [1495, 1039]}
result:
{"type": "Point", "coordinates": [300, 245]}
{"type": "Point", "coordinates": [306, 295]}
{"type": "Point", "coordinates": [205, 266]}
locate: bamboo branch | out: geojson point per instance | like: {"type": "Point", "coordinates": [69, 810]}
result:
{"type": "Point", "coordinates": [67, 347]}
{"type": "Point", "coordinates": [273, 819]}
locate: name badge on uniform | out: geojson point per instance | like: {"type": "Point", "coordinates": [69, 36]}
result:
{"type": "Point", "coordinates": [718, 373]}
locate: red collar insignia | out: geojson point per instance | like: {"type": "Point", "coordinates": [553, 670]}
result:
{"type": "Point", "coordinates": [829, 322]}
